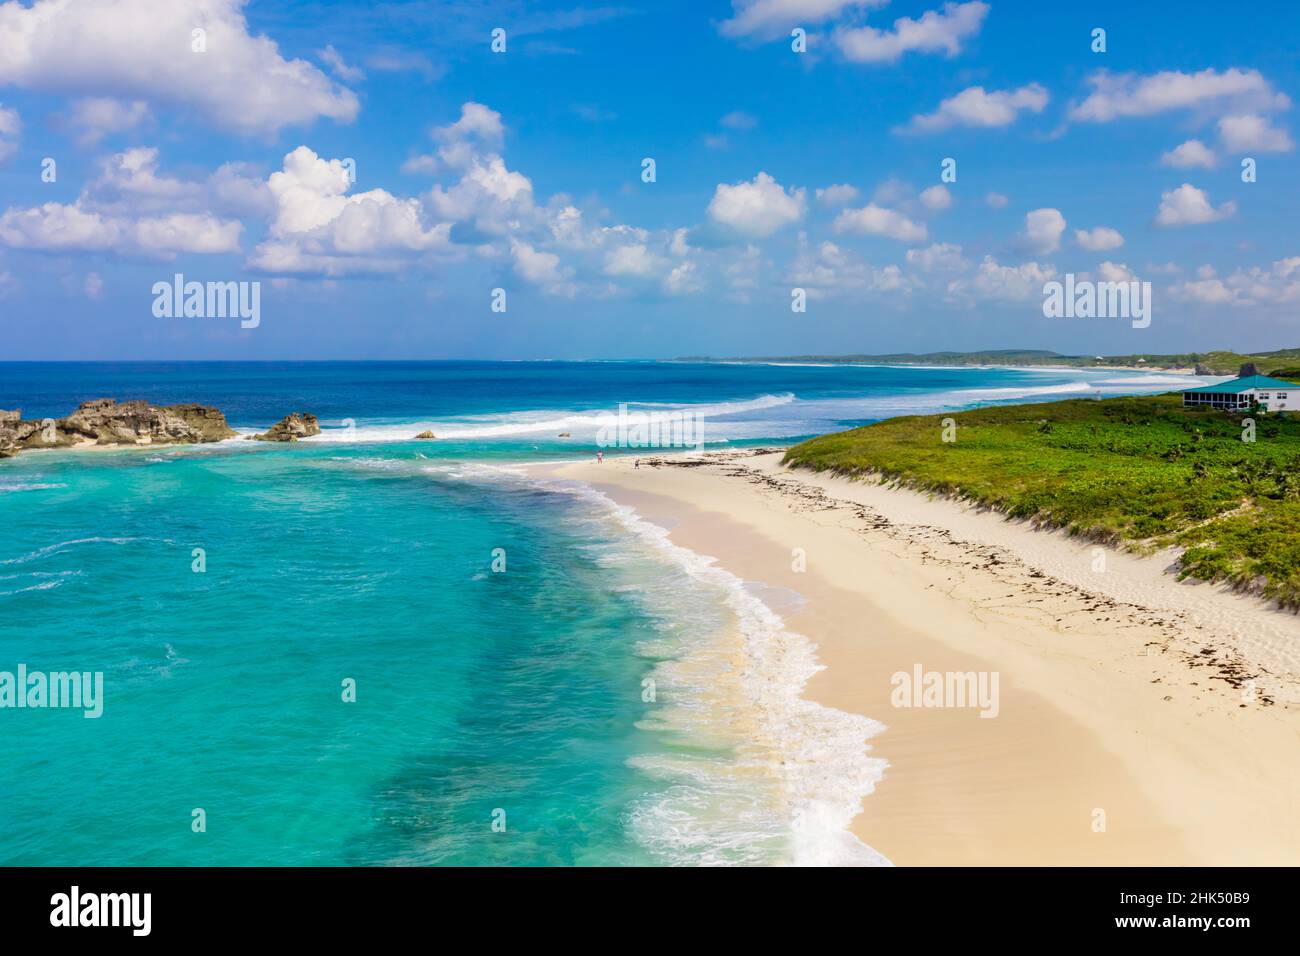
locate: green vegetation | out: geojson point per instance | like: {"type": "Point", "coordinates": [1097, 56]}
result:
{"type": "Point", "coordinates": [1137, 471]}
{"type": "Point", "coordinates": [1209, 363]}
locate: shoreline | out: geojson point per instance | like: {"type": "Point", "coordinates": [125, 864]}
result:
{"type": "Point", "coordinates": [1141, 721]}
{"type": "Point", "coordinates": [755, 756]}
{"type": "Point", "coordinates": [1167, 369]}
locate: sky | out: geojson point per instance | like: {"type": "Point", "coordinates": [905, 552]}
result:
{"type": "Point", "coordinates": [388, 171]}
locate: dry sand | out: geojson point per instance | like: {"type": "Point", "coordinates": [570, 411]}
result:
{"type": "Point", "coordinates": [1140, 721]}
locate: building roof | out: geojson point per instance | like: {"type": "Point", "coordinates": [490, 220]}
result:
{"type": "Point", "coordinates": [1238, 385]}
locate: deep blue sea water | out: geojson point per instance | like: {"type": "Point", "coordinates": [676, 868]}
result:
{"type": "Point", "coordinates": [513, 696]}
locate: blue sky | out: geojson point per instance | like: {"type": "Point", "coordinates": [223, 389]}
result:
{"type": "Point", "coordinates": [522, 170]}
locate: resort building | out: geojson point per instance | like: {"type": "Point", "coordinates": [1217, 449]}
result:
{"type": "Point", "coordinates": [1271, 394]}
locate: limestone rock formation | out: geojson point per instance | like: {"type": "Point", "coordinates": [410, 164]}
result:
{"type": "Point", "coordinates": [105, 421]}
{"type": "Point", "coordinates": [14, 432]}
{"type": "Point", "coordinates": [426, 435]}
{"type": "Point", "coordinates": [293, 426]}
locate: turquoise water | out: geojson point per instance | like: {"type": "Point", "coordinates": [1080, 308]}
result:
{"type": "Point", "coordinates": [365, 557]}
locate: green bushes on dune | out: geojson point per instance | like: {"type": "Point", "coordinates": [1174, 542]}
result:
{"type": "Point", "coordinates": [1138, 471]}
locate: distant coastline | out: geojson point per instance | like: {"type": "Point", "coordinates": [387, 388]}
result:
{"type": "Point", "coordinates": [1217, 362]}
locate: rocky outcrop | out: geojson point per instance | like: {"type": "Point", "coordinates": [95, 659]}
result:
{"type": "Point", "coordinates": [207, 421]}
{"type": "Point", "coordinates": [425, 436]}
{"type": "Point", "coordinates": [290, 428]}
{"type": "Point", "coordinates": [1203, 369]}
{"type": "Point", "coordinates": [105, 421]}
{"type": "Point", "coordinates": [14, 432]}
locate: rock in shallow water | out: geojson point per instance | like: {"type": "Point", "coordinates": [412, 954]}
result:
{"type": "Point", "coordinates": [13, 432]}
{"type": "Point", "coordinates": [292, 427]}
{"type": "Point", "coordinates": [105, 421]}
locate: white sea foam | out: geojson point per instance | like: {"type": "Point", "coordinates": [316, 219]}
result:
{"type": "Point", "coordinates": [62, 545]}
{"type": "Point", "coordinates": [11, 486]}
{"type": "Point", "coordinates": [799, 364]}
{"type": "Point", "coordinates": [456, 469]}
{"type": "Point", "coordinates": [813, 758]}
{"type": "Point", "coordinates": [1017, 391]}
{"type": "Point", "coordinates": [546, 423]}
{"type": "Point", "coordinates": [767, 416]}
{"type": "Point", "coordinates": [44, 581]}
{"type": "Point", "coordinates": [43, 586]}
{"type": "Point", "coordinates": [1140, 383]}
{"type": "Point", "coordinates": [1153, 379]}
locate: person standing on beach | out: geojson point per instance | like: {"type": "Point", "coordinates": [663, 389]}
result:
{"type": "Point", "coordinates": [600, 456]}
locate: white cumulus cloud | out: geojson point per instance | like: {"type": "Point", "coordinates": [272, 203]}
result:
{"type": "Point", "coordinates": [319, 229]}
{"type": "Point", "coordinates": [143, 50]}
{"type": "Point", "coordinates": [936, 198]}
{"type": "Point", "coordinates": [935, 32]}
{"type": "Point", "coordinates": [766, 19]}
{"type": "Point", "coordinates": [1276, 284]}
{"type": "Point", "coordinates": [976, 106]}
{"type": "Point", "coordinates": [540, 268]}
{"type": "Point", "coordinates": [95, 117]}
{"type": "Point", "coordinates": [1101, 239]}
{"type": "Point", "coordinates": [1129, 95]}
{"type": "Point", "coordinates": [837, 195]}
{"type": "Point", "coordinates": [129, 208]}
{"type": "Point", "coordinates": [634, 260]}
{"type": "Point", "coordinates": [939, 257]}
{"type": "Point", "coordinates": [10, 126]}
{"type": "Point", "coordinates": [757, 208]}
{"type": "Point", "coordinates": [1254, 133]}
{"type": "Point", "coordinates": [1043, 228]}
{"type": "Point", "coordinates": [1188, 206]}
{"type": "Point", "coordinates": [873, 220]}
{"type": "Point", "coordinates": [1190, 155]}
{"type": "Point", "coordinates": [828, 270]}
{"type": "Point", "coordinates": [1115, 272]}
{"type": "Point", "coordinates": [997, 282]}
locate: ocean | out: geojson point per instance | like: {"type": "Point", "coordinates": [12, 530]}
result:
{"type": "Point", "coordinates": [363, 649]}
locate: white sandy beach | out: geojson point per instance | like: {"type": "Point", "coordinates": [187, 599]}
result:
{"type": "Point", "coordinates": [1139, 720]}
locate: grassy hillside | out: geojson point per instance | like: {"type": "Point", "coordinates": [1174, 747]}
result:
{"type": "Point", "coordinates": [1138, 471]}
